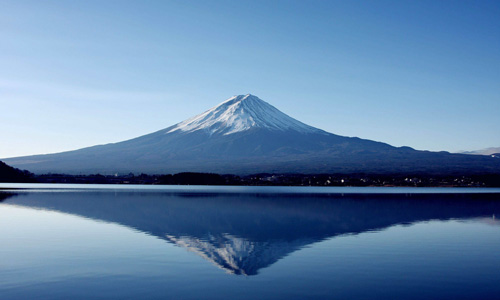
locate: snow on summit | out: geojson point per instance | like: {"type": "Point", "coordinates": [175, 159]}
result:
{"type": "Point", "coordinates": [240, 113]}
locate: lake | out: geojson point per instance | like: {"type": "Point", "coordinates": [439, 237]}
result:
{"type": "Point", "coordinates": [194, 242]}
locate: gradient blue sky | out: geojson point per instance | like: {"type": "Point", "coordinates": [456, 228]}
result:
{"type": "Point", "coordinates": [425, 74]}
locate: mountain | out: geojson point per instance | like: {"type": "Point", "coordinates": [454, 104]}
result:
{"type": "Point", "coordinates": [245, 135]}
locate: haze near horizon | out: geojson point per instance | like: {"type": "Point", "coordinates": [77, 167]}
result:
{"type": "Point", "coordinates": [77, 74]}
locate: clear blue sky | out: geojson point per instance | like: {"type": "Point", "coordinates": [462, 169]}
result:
{"type": "Point", "coordinates": [425, 74]}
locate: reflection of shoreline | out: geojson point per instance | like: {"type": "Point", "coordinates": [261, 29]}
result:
{"type": "Point", "coordinates": [244, 233]}
{"type": "Point", "coordinates": [5, 195]}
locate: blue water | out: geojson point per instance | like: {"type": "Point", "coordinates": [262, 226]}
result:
{"type": "Point", "coordinates": [83, 242]}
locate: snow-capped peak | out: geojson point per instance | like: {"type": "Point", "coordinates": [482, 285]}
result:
{"type": "Point", "coordinates": [240, 113]}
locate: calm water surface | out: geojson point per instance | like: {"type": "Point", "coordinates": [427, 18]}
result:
{"type": "Point", "coordinates": [84, 242]}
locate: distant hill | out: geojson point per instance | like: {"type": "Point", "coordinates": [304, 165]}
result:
{"type": "Point", "coordinates": [487, 151]}
{"type": "Point", "coordinates": [10, 174]}
{"type": "Point", "coordinates": [246, 135]}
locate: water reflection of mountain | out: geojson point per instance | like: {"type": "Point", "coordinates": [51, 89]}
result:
{"type": "Point", "coordinates": [4, 196]}
{"type": "Point", "coordinates": [244, 233]}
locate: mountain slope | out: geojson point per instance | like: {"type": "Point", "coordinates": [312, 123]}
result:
{"type": "Point", "coordinates": [246, 135]}
{"type": "Point", "coordinates": [241, 113]}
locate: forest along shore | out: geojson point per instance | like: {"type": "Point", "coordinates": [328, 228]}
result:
{"type": "Point", "coordinates": [265, 179]}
